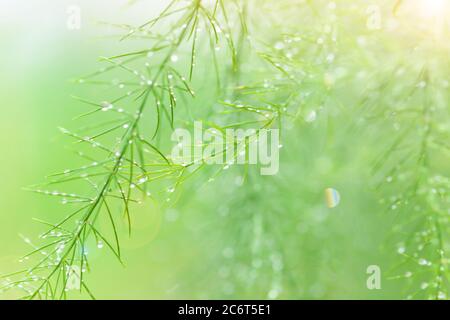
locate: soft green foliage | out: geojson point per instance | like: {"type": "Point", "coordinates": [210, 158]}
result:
{"type": "Point", "coordinates": [363, 111]}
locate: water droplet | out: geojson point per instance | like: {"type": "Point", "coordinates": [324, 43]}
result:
{"type": "Point", "coordinates": [100, 244]}
{"type": "Point", "coordinates": [279, 45]}
{"type": "Point", "coordinates": [106, 106]}
{"type": "Point", "coordinates": [174, 58]}
{"type": "Point", "coordinates": [143, 180]}
{"type": "Point", "coordinates": [423, 262]}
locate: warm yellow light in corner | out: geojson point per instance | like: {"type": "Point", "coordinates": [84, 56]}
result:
{"type": "Point", "coordinates": [434, 15]}
{"type": "Point", "coordinates": [433, 8]}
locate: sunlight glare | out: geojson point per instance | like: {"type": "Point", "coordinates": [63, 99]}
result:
{"type": "Point", "coordinates": [433, 8]}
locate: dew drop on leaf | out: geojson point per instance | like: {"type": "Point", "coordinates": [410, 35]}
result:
{"type": "Point", "coordinates": [143, 180]}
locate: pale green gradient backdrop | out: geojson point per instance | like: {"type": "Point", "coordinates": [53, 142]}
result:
{"type": "Point", "coordinates": [39, 56]}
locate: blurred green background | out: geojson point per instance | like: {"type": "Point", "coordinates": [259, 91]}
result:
{"type": "Point", "coordinates": [200, 248]}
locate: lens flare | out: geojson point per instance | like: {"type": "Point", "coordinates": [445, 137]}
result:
{"type": "Point", "coordinates": [332, 197]}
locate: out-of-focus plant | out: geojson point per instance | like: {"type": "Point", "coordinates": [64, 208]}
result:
{"type": "Point", "coordinates": [266, 68]}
